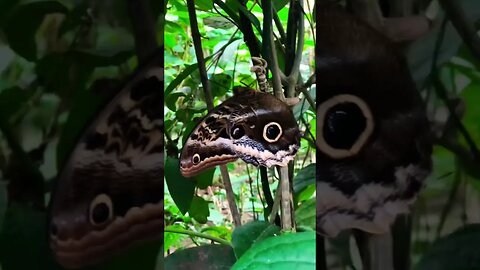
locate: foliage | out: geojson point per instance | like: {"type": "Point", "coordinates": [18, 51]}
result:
{"type": "Point", "coordinates": [60, 61]}
{"type": "Point", "coordinates": [228, 63]}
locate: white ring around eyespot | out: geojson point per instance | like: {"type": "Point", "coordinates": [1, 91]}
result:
{"type": "Point", "coordinates": [101, 198]}
{"type": "Point", "coordinates": [361, 140]}
{"type": "Point", "coordinates": [193, 158]}
{"type": "Point", "coordinates": [265, 132]}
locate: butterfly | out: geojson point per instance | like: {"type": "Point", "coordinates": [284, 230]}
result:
{"type": "Point", "coordinates": [372, 131]}
{"type": "Point", "coordinates": [109, 194]}
{"type": "Point", "coordinates": [254, 126]}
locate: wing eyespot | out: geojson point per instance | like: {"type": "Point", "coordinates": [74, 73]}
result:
{"type": "Point", "coordinates": [236, 132]}
{"type": "Point", "coordinates": [196, 159]}
{"type": "Point", "coordinates": [272, 132]}
{"type": "Point", "coordinates": [101, 210]}
{"type": "Point", "coordinates": [345, 123]}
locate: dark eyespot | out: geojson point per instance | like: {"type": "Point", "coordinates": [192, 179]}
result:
{"type": "Point", "coordinates": [272, 132]}
{"type": "Point", "coordinates": [236, 132]}
{"type": "Point", "coordinates": [196, 159]}
{"type": "Point", "coordinates": [345, 124]}
{"type": "Point", "coordinates": [101, 210]}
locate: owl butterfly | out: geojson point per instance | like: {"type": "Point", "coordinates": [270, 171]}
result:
{"type": "Point", "coordinates": [254, 126]}
{"type": "Point", "coordinates": [372, 131]}
{"type": "Point", "coordinates": [110, 192]}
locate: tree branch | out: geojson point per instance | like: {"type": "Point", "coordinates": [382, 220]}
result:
{"type": "Point", "coordinates": [143, 29]}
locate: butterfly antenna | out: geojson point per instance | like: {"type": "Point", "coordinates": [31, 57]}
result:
{"type": "Point", "coordinates": [260, 69]}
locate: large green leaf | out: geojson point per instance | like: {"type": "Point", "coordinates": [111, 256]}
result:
{"type": "Point", "coordinates": [181, 188]}
{"type": "Point", "coordinates": [211, 257]}
{"type": "Point", "coordinates": [24, 232]}
{"type": "Point", "coordinates": [285, 252]}
{"type": "Point", "coordinates": [199, 209]}
{"type": "Point", "coordinates": [458, 250]}
{"type": "Point", "coordinates": [142, 256]}
{"type": "Point", "coordinates": [22, 24]}
{"type": "Point", "coordinates": [306, 213]}
{"type": "Point", "coordinates": [304, 178]}
{"type": "Point", "coordinates": [204, 179]}
{"type": "Point", "coordinates": [253, 232]}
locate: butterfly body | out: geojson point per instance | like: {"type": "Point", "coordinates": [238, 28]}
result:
{"type": "Point", "coordinates": [109, 195]}
{"type": "Point", "coordinates": [372, 130]}
{"type": "Point", "coordinates": [254, 126]}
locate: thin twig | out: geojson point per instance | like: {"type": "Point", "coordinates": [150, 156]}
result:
{"type": "Point", "coordinates": [442, 93]}
{"type": "Point", "coordinates": [197, 43]}
{"type": "Point", "coordinates": [276, 204]}
{"type": "Point", "coordinates": [286, 199]}
{"type": "Point", "coordinates": [269, 49]}
{"type": "Point", "coordinates": [197, 234]}
{"type": "Point", "coordinates": [278, 23]}
{"type": "Point", "coordinates": [300, 29]}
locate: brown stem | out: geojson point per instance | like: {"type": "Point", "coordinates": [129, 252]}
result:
{"type": "Point", "coordinates": [197, 43]}
{"type": "Point", "coordinates": [143, 29]}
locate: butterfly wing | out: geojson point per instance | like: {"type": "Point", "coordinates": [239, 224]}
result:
{"type": "Point", "coordinates": [110, 193]}
{"type": "Point", "coordinates": [372, 130]}
{"type": "Point", "coordinates": [254, 126]}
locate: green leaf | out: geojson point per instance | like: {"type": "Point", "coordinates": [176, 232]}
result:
{"type": "Point", "coordinates": [253, 232]}
{"type": "Point", "coordinates": [204, 4]}
{"type": "Point", "coordinates": [54, 70]}
{"type": "Point", "coordinates": [199, 209]}
{"type": "Point", "coordinates": [220, 84]}
{"type": "Point", "coordinates": [285, 252]}
{"type": "Point", "coordinates": [279, 4]}
{"type": "Point", "coordinates": [74, 18]}
{"type": "Point", "coordinates": [205, 179]}
{"type": "Point", "coordinates": [86, 104]}
{"type": "Point", "coordinates": [23, 232]}
{"type": "Point", "coordinates": [22, 24]}
{"type": "Point", "coordinates": [13, 99]}
{"type": "Point", "coordinates": [420, 53]}
{"type": "Point", "coordinates": [303, 106]}
{"type": "Point", "coordinates": [305, 214]}
{"type": "Point", "coordinates": [142, 256]}
{"type": "Point", "coordinates": [458, 250]}
{"type": "Point", "coordinates": [218, 231]}
{"type": "Point", "coordinates": [181, 189]}
{"type": "Point", "coordinates": [211, 257]}
{"type": "Point", "coordinates": [304, 178]}
{"type": "Point", "coordinates": [6, 6]}
{"type": "Point", "coordinates": [180, 77]}
{"type": "Point", "coordinates": [175, 240]}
